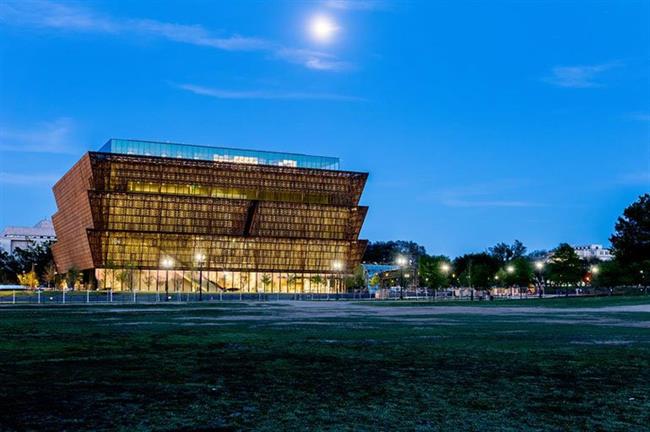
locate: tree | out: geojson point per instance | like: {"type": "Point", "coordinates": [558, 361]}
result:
{"type": "Point", "coordinates": [505, 252]}
{"type": "Point", "coordinates": [357, 280]}
{"type": "Point", "coordinates": [122, 277]}
{"type": "Point", "coordinates": [72, 277]}
{"type": "Point", "coordinates": [613, 273]}
{"type": "Point", "coordinates": [109, 275]}
{"type": "Point", "coordinates": [434, 271]}
{"type": "Point", "coordinates": [177, 282]}
{"type": "Point", "coordinates": [292, 278]}
{"type": "Point", "coordinates": [7, 274]}
{"type": "Point", "coordinates": [516, 273]}
{"type": "Point", "coordinates": [149, 280]}
{"type": "Point", "coordinates": [28, 279]}
{"type": "Point", "coordinates": [36, 256]}
{"type": "Point", "coordinates": [386, 252]}
{"type": "Point", "coordinates": [49, 274]}
{"type": "Point", "coordinates": [375, 280]}
{"type": "Point", "coordinates": [538, 255]}
{"type": "Point", "coordinates": [317, 280]}
{"type": "Point", "coordinates": [565, 267]}
{"type": "Point", "coordinates": [266, 281]}
{"type": "Point", "coordinates": [631, 238]}
{"type": "Point", "coordinates": [476, 270]}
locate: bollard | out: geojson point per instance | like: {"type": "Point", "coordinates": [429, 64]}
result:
{"type": "Point", "coordinates": [39, 297]}
{"type": "Point", "coordinates": [87, 296]}
{"type": "Point", "coordinates": [111, 295]}
{"type": "Point", "coordinates": [134, 296]}
{"type": "Point", "coordinates": [63, 291]}
{"type": "Point", "coordinates": [14, 297]}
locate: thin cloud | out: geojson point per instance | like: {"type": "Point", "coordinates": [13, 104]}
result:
{"type": "Point", "coordinates": [195, 35]}
{"type": "Point", "coordinates": [66, 17]}
{"type": "Point", "coordinates": [358, 5]}
{"type": "Point", "coordinates": [311, 59]}
{"type": "Point", "coordinates": [45, 14]}
{"type": "Point", "coordinates": [49, 137]}
{"type": "Point", "coordinates": [489, 194]}
{"type": "Point", "coordinates": [578, 76]}
{"type": "Point", "coordinates": [263, 94]}
{"type": "Point", "coordinates": [488, 203]}
{"type": "Point", "coordinates": [27, 179]}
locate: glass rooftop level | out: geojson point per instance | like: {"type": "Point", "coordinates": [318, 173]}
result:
{"type": "Point", "coordinates": [218, 154]}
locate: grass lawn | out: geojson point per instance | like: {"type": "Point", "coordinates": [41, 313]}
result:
{"type": "Point", "coordinates": [551, 302]}
{"type": "Point", "coordinates": [326, 366]}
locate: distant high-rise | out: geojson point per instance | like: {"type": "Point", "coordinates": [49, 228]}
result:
{"type": "Point", "coordinates": [138, 213]}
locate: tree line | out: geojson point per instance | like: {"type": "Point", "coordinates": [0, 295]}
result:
{"type": "Point", "coordinates": [510, 265]}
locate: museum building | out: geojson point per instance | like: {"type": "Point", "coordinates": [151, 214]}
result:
{"type": "Point", "coordinates": [145, 216]}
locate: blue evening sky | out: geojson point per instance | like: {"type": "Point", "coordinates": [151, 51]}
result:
{"type": "Point", "coordinates": [478, 121]}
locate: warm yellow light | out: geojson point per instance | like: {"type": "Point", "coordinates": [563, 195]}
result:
{"type": "Point", "coordinates": [322, 28]}
{"type": "Point", "coordinates": [337, 265]}
{"type": "Point", "coordinates": [445, 267]}
{"type": "Point", "coordinates": [167, 262]}
{"type": "Point", "coordinates": [594, 269]}
{"type": "Point", "coordinates": [539, 265]}
{"type": "Point", "coordinates": [510, 269]}
{"type": "Point", "coordinates": [199, 257]}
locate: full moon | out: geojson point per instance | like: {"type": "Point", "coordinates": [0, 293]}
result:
{"type": "Point", "coordinates": [322, 28]}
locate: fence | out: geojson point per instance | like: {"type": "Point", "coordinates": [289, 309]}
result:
{"type": "Point", "coordinates": [134, 297]}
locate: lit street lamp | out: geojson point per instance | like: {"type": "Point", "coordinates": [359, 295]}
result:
{"type": "Point", "coordinates": [337, 266]}
{"type": "Point", "coordinates": [401, 262]}
{"type": "Point", "coordinates": [539, 267]}
{"type": "Point", "coordinates": [167, 263]}
{"type": "Point", "coordinates": [200, 260]}
{"type": "Point", "coordinates": [445, 268]}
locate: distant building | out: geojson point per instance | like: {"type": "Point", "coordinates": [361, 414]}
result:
{"type": "Point", "coordinates": [14, 237]}
{"type": "Point", "coordinates": [372, 269]}
{"type": "Point", "coordinates": [594, 251]}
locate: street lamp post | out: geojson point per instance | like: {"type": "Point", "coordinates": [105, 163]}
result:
{"type": "Point", "coordinates": [645, 287]}
{"type": "Point", "coordinates": [594, 269]}
{"type": "Point", "coordinates": [167, 263]}
{"type": "Point", "coordinates": [401, 262]}
{"type": "Point", "coordinates": [539, 267]}
{"type": "Point", "coordinates": [337, 266]}
{"type": "Point", "coordinates": [445, 268]}
{"type": "Point", "coordinates": [510, 269]}
{"type": "Point", "coordinates": [200, 260]}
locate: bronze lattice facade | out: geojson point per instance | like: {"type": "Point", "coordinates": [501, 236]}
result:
{"type": "Point", "coordinates": [131, 220]}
